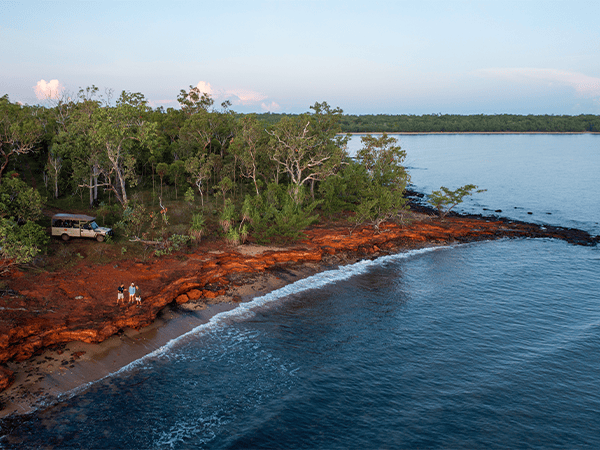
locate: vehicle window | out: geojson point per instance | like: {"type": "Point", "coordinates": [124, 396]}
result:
{"type": "Point", "coordinates": [94, 225]}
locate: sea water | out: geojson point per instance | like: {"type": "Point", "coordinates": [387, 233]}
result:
{"type": "Point", "coordinates": [484, 345]}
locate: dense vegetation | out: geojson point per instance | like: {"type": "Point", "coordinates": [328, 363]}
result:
{"type": "Point", "coordinates": [170, 177]}
{"type": "Point", "coordinates": [436, 123]}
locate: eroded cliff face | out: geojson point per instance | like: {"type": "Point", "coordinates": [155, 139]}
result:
{"type": "Point", "coordinates": [80, 304]}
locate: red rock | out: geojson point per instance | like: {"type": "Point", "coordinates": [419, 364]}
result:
{"type": "Point", "coordinates": [182, 299]}
{"type": "Point", "coordinates": [7, 378]}
{"type": "Point", "coordinates": [46, 313]}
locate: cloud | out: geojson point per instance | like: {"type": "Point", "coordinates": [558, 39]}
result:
{"type": "Point", "coordinates": [243, 97]}
{"type": "Point", "coordinates": [584, 85]}
{"type": "Point", "coordinates": [205, 87]}
{"type": "Point", "coordinates": [270, 107]}
{"type": "Point", "coordinates": [48, 90]}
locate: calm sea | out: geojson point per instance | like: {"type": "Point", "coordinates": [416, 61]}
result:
{"type": "Point", "coordinates": [487, 345]}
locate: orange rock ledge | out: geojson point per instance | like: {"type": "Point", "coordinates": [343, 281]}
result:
{"type": "Point", "coordinates": [79, 304]}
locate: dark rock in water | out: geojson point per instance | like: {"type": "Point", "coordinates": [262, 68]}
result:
{"type": "Point", "coordinates": [485, 209]}
{"type": "Point", "coordinates": [549, 214]}
{"type": "Point", "coordinates": [529, 212]}
{"type": "Point", "coordinates": [498, 210]}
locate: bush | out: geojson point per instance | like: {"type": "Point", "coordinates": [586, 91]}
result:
{"type": "Point", "coordinates": [275, 214]}
{"type": "Point", "coordinates": [19, 244]}
{"type": "Point", "coordinates": [197, 227]}
{"type": "Point", "coordinates": [344, 190]}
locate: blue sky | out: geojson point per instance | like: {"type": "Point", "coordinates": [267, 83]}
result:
{"type": "Point", "coordinates": [367, 57]}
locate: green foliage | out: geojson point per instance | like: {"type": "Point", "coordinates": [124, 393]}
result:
{"type": "Point", "coordinates": [344, 190]}
{"type": "Point", "coordinates": [20, 130]}
{"type": "Point", "coordinates": [109, 213]}
{"type": "Point", "coordinates": [189, 196]}
{"type": "Point", "coordinates": [307, 148]}
{"type": "Point", "coordinates": [19, 201]}
{"type": "Point", "coordinates": [382, 196]}
{"type": "Point", "coordinates": [233, 236]}
{"type": "Point", "coordinates": [227, 217]}
{"type": "Point", "coordinates": [174, 243]}
{"type": "Point", "coordinates": [133, 220]}
{"type": "Point", "coordinates": [19, 244]}
{"type": "Point", "coordinates": [197, 227]}
{"type": "Point", "coordinates": [445, 199]}
{"type": "Point", "coordinates": [379, 205]}
{"type": "Point", "coordinates": [176, 172]}
{"type": "Point", "coordinates": [275, 214]}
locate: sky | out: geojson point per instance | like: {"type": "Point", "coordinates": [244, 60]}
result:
{"type": "Point", "coordinates": [366, 57]}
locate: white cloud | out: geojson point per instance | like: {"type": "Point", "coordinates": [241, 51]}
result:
{"type": "Point", "coordinates": [243, 97]}
{"type": "Point", "coordinates": [270, 107]}
{"type": "Point", "coordinates": [205, 87]}
{"type": "Point", "coordinates": [584, 85]}
{"type": "Point", "coordinates": [236, 96]}
{"type": "Point", "coordinates": [48, 90]}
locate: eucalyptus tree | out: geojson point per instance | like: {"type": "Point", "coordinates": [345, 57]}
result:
{"type": "Point", "coordinates": [107, 140]}
{"type": "Point", "coordinates": [250, 147]}
{"type": "Point", "coordinates": [207, 131]}
{"type": "Point", "coordinates": [20, 130]}
{"type": "Point", "coordinates": [199, 171]}
{"type": "Point", "coordinates": [307, 147]}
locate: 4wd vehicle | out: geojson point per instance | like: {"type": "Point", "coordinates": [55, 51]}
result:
{"type": "Point", "coordinates": [78, 225]}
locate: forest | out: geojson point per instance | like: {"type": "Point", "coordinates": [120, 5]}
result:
{"type": "Point", "coordinates": [454, 123]}
{"type": "Point", "coordinates": [166, 179]}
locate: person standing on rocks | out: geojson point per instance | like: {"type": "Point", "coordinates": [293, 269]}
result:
{"type": "Point", "coordinates": [138, 295]}
{"type": "Point", "coordinates": [120, 293]}
{"type": "Point", "coordinates": [131, 293]}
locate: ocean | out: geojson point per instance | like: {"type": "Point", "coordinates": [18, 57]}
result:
{"type": "Point", "coordinates": [483, 345]}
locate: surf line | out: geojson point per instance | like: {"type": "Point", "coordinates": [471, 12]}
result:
{"type": "Point", "coordinates": [246, 310]}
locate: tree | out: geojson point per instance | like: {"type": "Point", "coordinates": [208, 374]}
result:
{"type": "Point", "coordinates": [176, 171]}
{"type": "Point", "coordinates": [162, 169]}
{"type": "Point", "coordinates": [307, 147]}
{"type": "Point", "coordinates": [194, 101]}
{"type": "Point", "coordinates": [108, 140]}
{"type": "Point", "coordinates": [19, 244]}
{"type": "Point", "coordinates": [19, 202]}
{"type": "Point", "coordinates": [383, 159]}
{"type": "Point", "coordinates": [199, 170]}
{"type": "Point", "coordinates": [20, 237]}
{"type": "Point", "coordinates": [249, 147]}
{"type": "Point", "coordinates": [20, 130]}
{"type": "Point", "coordinates": [444, 199]}
{"type": "Point", "coordinates": [383, 195]}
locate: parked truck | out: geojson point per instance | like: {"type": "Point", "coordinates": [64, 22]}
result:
{"type": "Point", "coordinates": [78, 225]}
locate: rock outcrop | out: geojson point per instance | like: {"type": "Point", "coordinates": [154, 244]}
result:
{"type": "Point", "coordinates": [80, 304]}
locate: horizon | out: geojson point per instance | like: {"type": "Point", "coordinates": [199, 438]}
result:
{"type": "Point", "coordinates": [393, 58]}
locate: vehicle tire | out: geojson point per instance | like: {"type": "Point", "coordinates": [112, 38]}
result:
{"type": "Point", "coordinates": [65, 237]}
{"type": "Point", "coordinates": [100, 238]}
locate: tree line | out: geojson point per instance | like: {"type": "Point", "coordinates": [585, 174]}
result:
{"type": "Point", "coordinates": [454, 123]}
{"type": "Point", "coordinates": [268, 180]}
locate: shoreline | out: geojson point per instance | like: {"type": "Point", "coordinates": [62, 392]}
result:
{"type": "Point", "coordinates": [409, 133]}
{"type": "Point", "coordinates": [75, 366]}
{"type": "Point", "coordinates": [187, 292]}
